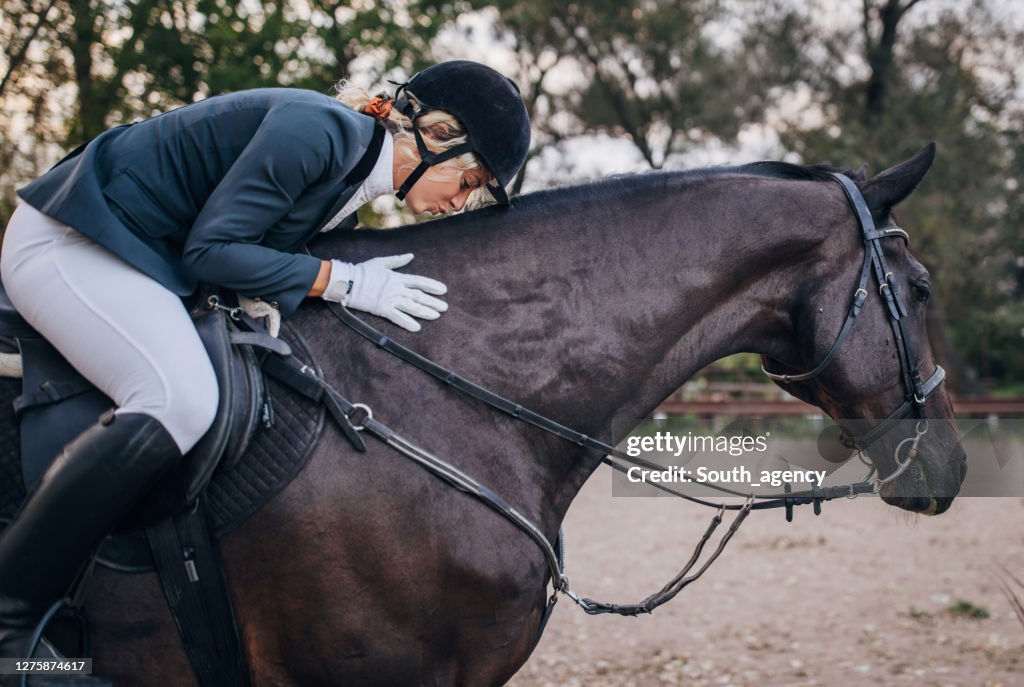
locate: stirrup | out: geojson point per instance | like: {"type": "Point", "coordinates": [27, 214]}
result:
{"type": "Point", "coordinates": [38, 640]}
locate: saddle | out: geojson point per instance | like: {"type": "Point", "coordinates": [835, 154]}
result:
{"type": "Point", "coordinates": [57, 403]}
{"type": "Point", "coordinates": [265, 430]}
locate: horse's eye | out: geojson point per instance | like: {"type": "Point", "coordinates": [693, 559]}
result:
{"type": "Point", "coordinates": [920, 292]}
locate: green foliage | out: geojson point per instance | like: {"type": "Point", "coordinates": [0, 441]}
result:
{"type": "Point", "coordinates": [923, 617]}
{"type": "Point", "coordinates": [73, 68]}
{"type": "Point", "coordinates": [650, 71]}
{"type": "Point", "coordinates": [965, 224]}
{"type": "Point", "coordinates": [741, 367]}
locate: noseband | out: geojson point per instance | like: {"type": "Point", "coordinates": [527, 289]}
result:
{"type": "Point", "coordinates": [916, 391]}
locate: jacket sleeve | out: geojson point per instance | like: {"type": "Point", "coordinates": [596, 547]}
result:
{"type": "Point", "coordinates": [283, 157]}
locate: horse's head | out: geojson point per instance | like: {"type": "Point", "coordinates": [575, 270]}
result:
{"type": "Point", "coordinates": [861, 350]}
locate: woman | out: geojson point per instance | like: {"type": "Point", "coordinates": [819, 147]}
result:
{"type": "Point", "coordinates": [226, 191]}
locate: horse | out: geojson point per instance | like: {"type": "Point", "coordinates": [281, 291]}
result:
{"type": "Point", "coordinates": [586, 304]}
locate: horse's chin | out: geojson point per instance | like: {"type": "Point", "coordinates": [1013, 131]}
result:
{"type": "Point", "coordinates": [922, 505]}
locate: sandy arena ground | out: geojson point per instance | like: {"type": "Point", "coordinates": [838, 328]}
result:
{"type": "Point", "coordinates": [858, 596]}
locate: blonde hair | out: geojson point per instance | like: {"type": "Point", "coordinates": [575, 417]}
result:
{"type": "Point", "coordinates": [441, 131]}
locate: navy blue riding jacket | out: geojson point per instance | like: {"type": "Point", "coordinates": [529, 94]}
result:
{"type": "Point", "coordinates": [223, 191]}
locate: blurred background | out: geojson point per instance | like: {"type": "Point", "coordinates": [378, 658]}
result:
{"type": "Point", "coordinates": [612, 86]}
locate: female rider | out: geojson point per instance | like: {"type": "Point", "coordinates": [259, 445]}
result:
{"type": "Point", "coordinates": [225, 191]}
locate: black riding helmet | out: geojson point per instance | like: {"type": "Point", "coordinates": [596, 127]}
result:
{"type": "Point", "coordinates": [490, 109]}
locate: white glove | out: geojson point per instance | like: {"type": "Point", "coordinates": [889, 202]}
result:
{"type": "Point", "coordinates": [374, 286]}
{"type": "Point", "coordinates": [256, 309]}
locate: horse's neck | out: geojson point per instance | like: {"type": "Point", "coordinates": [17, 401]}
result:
{"type": "Point", "coordinates": [592, 314]}
{"type": "Point", "coordinates": [604, 310]}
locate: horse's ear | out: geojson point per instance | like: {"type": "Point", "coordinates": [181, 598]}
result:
{"type": "Point", "coordinates": [890, 187]}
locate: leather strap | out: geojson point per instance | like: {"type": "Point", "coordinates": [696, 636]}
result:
{"type": "Point", "coordinates": [781, 500]}
{"type": "Point", "coordinates": [261, 340]}
{"type": "Point", "coordinates": [192, 577]}
{"type": "Point", "coordinates": [879, 430]}
{"type": "Point", "coordinates": [427, 158]}
{"type": "Point", "coordinates": [51, 392]}
{"type": "Point", "coordinates": [859, 297]}
{"type": "Point", "coordinates": [304, 380]}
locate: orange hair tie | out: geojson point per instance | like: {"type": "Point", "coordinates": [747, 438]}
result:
{"type": "Point", "coordinates": [379, 107]}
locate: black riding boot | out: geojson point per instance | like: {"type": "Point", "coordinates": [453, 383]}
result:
{"type": "Point", "coordinates": [82, 496]}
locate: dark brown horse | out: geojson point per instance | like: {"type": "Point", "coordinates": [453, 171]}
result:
{"type": "Point", "coordinates": [585, 304]}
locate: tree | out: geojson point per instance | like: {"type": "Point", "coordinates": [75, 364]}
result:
{"type": "Point", "coordinates": [912, 77]}
{"type": "Point", "coordinates": [73, 68]}
{"type": "Point", "coordinates": [646, 70]}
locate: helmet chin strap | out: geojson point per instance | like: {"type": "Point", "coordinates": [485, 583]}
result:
{"type": "Point", "coordinates": [421, 168]}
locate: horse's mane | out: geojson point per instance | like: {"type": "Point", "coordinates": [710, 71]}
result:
{"type": "Point", "coordinates": [788, 170]}
{"type": "Point", "coordinates": [618, 183]}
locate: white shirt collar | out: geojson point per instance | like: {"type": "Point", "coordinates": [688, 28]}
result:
{"type": "Point", "coordinates": [379, 182]}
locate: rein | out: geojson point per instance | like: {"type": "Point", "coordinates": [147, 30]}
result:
{"type": "Point", "coordinates": [609, 453]}
{"type": "Point", "coordinates": [355, 418]}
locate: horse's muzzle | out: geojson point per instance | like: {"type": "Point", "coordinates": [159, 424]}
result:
{"type": "Point", "coordinates": [922, 492]}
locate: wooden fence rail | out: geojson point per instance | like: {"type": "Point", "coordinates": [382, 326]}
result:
{"type": "Point", "coordinates": [768, 407]}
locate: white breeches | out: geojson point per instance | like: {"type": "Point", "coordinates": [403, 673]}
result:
{"type": "Point", "coordinates": [124, 332]}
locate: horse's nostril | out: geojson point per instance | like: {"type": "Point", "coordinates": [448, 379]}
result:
{"type": "Point", "coordinates": [919, 504]}
{"type": "Point", "coordinates": [916, 504]}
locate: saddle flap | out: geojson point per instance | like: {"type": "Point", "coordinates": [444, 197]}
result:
{"type": "Point", "coordinates": [279, 449]}
{"type": "Point", "coordinates": [213, 328]}
{"type": "Point", "coordinates": [56, 405]}
{"type": "Point", "coordinates": [241, 398]}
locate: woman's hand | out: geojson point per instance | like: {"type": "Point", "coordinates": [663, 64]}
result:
{"type": "Point", "coordinates": [373, 286]}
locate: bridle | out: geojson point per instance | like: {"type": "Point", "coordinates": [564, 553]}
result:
{"type": "Point", "coordinates": [355, 419]}
{"type": "Point", "coordinates": [916, 391]}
